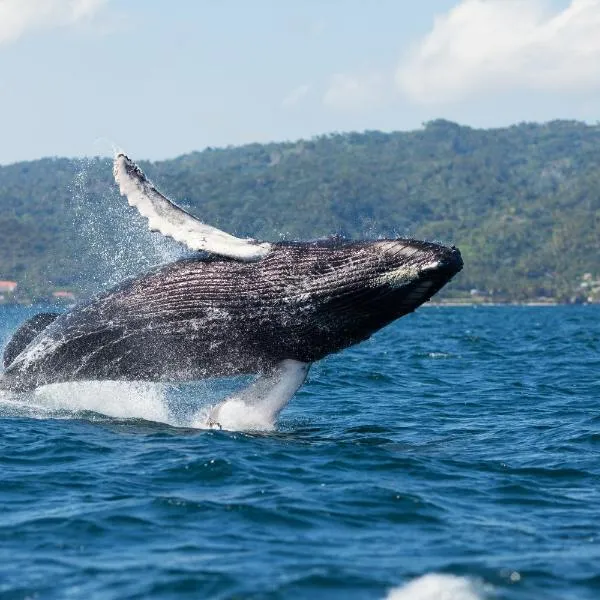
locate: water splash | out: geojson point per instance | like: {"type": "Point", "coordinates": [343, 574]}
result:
{"type": "Point", "coordinates": [117, 243]}
{"type": "Point", "coordinates": [121, 400]}
{"type": "Point", "coordinates": [185, 406]}
{"type": "Point", "coordinates": [436, 586]}
{"type": "Point", "coordinates": [114, 399]}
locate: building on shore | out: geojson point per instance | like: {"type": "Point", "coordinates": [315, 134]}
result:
{"type": "Point", "coordinates": [63, 295]}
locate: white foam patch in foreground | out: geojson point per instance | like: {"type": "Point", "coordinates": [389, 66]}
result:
{"type": "Point", "coordinates": [200, 405]}
{"type": "Point", "coordinates": [121, 400]}
{"type": "Point", "coordinates": [437, 586]}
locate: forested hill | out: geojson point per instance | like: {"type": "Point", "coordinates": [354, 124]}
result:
{"type": "Point", "coordinates": [522, 203]}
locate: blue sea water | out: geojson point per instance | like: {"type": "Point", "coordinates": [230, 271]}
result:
{"type": "Point", "coordinates": [454, 455]}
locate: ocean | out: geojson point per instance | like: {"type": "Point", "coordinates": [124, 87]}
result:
{"type": "Point", "coordinates": [453, 456]}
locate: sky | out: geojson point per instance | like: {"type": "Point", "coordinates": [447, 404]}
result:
{"type": "Point", "coordinates": [160, 78]}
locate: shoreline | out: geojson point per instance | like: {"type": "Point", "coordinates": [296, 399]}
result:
{"type": "Point", "coordinates": [525, 303]}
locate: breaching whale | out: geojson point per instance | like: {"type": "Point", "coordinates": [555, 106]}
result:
{"type": "Point", "coordinates": [240, 307]}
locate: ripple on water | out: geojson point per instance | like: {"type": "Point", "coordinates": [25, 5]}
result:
{"type": "Point", "coordinates": [454, 455]}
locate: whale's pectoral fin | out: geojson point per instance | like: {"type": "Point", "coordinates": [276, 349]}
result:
{"type": "Point", "coordinates": [169, 219]}
{"type": "Point", "coordinates": [258, 405]}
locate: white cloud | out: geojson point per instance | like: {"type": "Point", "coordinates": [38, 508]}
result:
{"type": "Point", "coordinates": [500, 45]}
{"type": "Point", "coordinates": [18, 17]}
{"type": "Point", "coordinates": [355, 92]}
{"type": "Point", "coordinates": [296, 96]}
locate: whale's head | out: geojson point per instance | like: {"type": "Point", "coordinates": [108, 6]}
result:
{"type": "Point", "coordinates": [409, 272]}
{"type": "Point", "coordinates": [352, 289]}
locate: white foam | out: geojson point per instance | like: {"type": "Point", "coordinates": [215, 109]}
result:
{"type": "Point", "coordinates": [437, 586]}
{"type": "Point", "coordinates": [121, 400]}
{"type": "Point", "coordinates": [254, 408]}
{"type": "Point", "coordinates": [235, 415]}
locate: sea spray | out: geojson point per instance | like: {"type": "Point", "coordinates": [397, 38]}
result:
{"type": "Point", "coordinates": [115, 239]}
{"type": "Point", "coordinates": [186, 405]}
{"type": "Point", "coordinates": [121, 400]}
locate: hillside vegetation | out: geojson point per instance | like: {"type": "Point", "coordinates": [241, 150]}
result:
{"type": "Point", "coordinates": [522, 203]}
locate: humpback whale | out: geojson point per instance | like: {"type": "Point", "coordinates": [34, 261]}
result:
{"type": "Point", "coordinates": [237, 306]}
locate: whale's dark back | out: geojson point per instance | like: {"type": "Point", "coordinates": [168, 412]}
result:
{"type": "Point", "coordinates": [198, 318]}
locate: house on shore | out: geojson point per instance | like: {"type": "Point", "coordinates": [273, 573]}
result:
{"type": "Point", "coordinates": [63, 295]}
{"type": "Point", "coordinates": [7, 287]}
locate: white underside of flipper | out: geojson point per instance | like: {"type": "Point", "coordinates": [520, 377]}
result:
{"type": "Point", "coordinates": [258, 406]}
{"type": "Point", "coordinates": [169, 219]}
